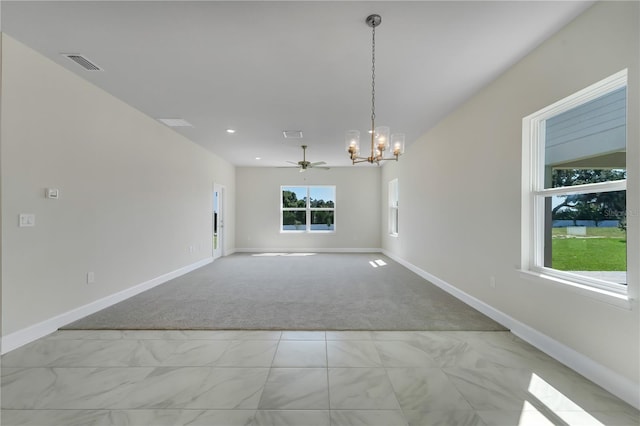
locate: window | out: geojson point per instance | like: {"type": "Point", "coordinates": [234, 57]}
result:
{"type": "Point", "coordinates": [574, 188]}
{"type": "Point", "coordinates": [393, 207]}
{"type": "Point", "coordinates": [307, 208]}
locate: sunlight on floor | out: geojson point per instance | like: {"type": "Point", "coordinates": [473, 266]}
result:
{"type": "Point", "coordinates": [377, 262]}
{"type": "Point", "coordinates": [550, 406]}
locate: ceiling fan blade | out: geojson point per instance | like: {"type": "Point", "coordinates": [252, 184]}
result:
{"type": "Point", "coordinates": [292, 162]}
{"type": "Point", "coordinates": [317, 163]}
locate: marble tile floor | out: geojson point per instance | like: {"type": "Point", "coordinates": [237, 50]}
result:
{"type": "Point", "coordinates": [297, 378]}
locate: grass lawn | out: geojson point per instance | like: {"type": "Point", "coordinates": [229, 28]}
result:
{"type": "Point", "coordinates": [604, 249]}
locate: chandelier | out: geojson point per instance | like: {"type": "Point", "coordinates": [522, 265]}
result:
{"type": "Point", "coordinates": [380, 140]}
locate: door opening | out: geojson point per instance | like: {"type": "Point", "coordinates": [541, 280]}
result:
{"type": "Point", "coordinates": [218, 221]}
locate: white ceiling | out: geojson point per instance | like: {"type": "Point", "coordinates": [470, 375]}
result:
{"type": "Point", "coordinates": [264, 67]}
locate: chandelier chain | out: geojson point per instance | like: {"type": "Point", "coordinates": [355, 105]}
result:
{"type": "Point", "coordinates": [373, 77]}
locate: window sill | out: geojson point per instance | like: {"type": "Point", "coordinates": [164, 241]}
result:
{"type": "Point", "coordinates": [309, 232]}
{"type": "Point", "coordinates": [610, 297]}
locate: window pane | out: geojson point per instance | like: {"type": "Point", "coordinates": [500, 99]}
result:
{"type": "Point", "coordinates": [587, 143]}
{"type": "Point", "coordinates": [294, 196]}
{"type": "Point", "coordinates": [322, 196]}
{"type": "Point", "coordinates": [393, 221]}
{"type": "Point", "coordinates": [572, 177]}
{"type": "Point", "coordinates": [588, 235]}
{"type": "Point", "coordinates": [322, 220]}
{"type": "Point", "coordinates": [393, 207]}
{"type": "Point", "coordinates": [294, 220]}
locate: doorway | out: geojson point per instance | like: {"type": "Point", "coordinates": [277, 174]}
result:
{"type": "Point", "coordinates": [218, 221]}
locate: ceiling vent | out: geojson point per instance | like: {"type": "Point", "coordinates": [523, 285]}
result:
{"type": "Point", "coordinates": [292, 134]}
{"type": "Point", "coordinates": [82, 61]}
{"type": "Point", "coordinates": [175, 122]}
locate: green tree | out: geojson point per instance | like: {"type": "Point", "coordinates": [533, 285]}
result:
{"type": "Point", "coordinates": [290, 200]}
{"type": "Point", "coordinates": [596, 206]}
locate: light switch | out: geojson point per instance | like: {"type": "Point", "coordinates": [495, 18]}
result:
{"type": "Point", "coordinates": [27, 219]}
{"type": "Point", "coordinates": [53, 193]}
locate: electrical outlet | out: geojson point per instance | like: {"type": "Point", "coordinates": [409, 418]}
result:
{"type": "Point", "coordinates": [492, 282]}
{"type": "Point", "coordinates": [91, 278]}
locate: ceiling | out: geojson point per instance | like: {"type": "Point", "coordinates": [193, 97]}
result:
{"type": "Point", "coordinates": [264, 67]}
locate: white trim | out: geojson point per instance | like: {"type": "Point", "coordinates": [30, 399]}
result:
{"type": "Point", "coordinates": [308, 211]}
{"type": "Point", "coordinates": [603, 294]}
{"type": "Point", "coordinates": [310, 250]}
{"type": "Point", "coordinates": [617, 384]}
{"type": "Point", "coordinates": [393, 197]}
{"type": "Point", "coordinates": [221, 190]}
{"type": "Point", "coordinates": [27, 335]}
{"type": "Point", "coordinates": [609, 84]}
{"type": "Point", "coordinates": [575, 279]}
{"type": "Point", "coordinates": [587, 188]}
{"type": "Point", "coordinates": [534, 193]}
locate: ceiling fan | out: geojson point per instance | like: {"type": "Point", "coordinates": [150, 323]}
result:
{"type": "Point", "coordinates": [304, 164]}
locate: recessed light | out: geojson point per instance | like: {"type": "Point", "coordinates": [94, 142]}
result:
{"type": "Point", "coordinates": [175, 122]}
{"type": "Point", "coordinates": [258, 158]}
{"type": "Point", "coordinates": [231, 131]}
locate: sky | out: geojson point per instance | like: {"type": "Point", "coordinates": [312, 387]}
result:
{"type": "Point", "coordinates": [325, 193]}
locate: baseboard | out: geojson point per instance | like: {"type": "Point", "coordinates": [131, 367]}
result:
{"type": "Point", "coordinates": [309, 250]}
{"type": "Point", "coordinates": [27, 335]}
{"type": "Point", "coordinates": [617, 384]}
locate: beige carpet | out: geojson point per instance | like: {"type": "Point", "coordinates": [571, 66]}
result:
{"type": "Point", "coordinates": [324, 291]}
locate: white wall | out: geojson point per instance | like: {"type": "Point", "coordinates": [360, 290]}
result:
{"type": "Point", "coordinates": [134, 194]}
{"type": "Point", "coordinates": [357, 208]}
{"type": "Point", "coordinates": [460, 190]}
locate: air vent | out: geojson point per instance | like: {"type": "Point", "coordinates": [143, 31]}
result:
{"type": "Point", "coordinates": [175, 122]}
{"type": "Point", "coordinates": [82, 61]}
{"type": "Point", "coordinates": [292, 134]}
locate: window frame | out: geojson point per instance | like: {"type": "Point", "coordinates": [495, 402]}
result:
{"type": "Point", "coordinates": [534, 191]}
{"type": "Point", "coordinates": [393, 195]}
{"type": "Point", "coordinates": [308, 211]}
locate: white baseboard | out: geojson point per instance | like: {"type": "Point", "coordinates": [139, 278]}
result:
{"type": "Point", "coordinates": [617, 384]}
{"type": "Point", "coordinates": [309, 250]}
{"type": "Point", "coordinates": [27, 335]}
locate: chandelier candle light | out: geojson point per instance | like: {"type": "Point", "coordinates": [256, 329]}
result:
{"type": "Point", "coordinates": [379, 135]}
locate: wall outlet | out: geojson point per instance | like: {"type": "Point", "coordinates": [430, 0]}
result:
{"type": "Point", "coordinates": [91, 278]}
{"type": "Point", "coordinates": [492, 282]}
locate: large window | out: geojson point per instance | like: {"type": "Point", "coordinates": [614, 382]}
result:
{"type": "Point", "coordinates": [574, 187]}
{"type": "Point", "coordinates": [393, 207]}
{"type": "Point", "coordinates": [308, 209]}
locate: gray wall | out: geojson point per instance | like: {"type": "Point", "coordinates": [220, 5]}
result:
{"type": "Point", "coordinates": [134, 195]}
{"type": "Point", "coordinates": [471, 161]}
{"type": "Point", "coordinates": [258, 208]}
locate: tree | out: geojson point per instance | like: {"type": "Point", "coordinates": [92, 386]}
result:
{"type": "Point", "coordinates": [595, 206]}
{"type": "Point", "coordinates": [572, 177]}
{"type": "Point", "coordinates": [290, 200]}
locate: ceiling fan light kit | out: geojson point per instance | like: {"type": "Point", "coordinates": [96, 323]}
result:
{"type": "Point", "coordinates": [304, 164]}
{"type": "Point", "coordinates": [380, 139]}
